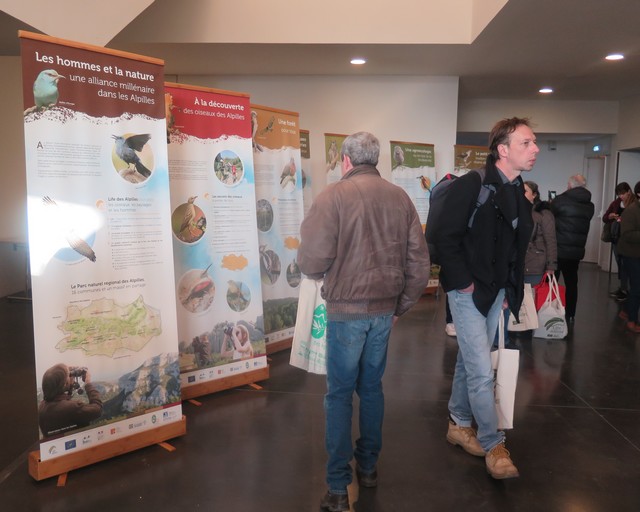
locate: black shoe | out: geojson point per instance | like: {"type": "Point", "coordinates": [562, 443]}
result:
{"type": "Point", "coordinates": [367, 479]}
{"type": "Point", "coordinates": [621, 296]}
{"type": "Point", "coordinates": [335, 502]}
{"type": "Point", "coordinates": [614, 294]}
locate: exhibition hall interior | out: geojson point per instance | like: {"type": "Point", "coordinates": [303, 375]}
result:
{"type": "Point", "coordinates": [250, 434]}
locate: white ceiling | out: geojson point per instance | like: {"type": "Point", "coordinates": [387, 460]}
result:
{"type": "Point", "coordinates": [529, 44]}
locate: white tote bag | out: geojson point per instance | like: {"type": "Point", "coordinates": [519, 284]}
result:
{"type": "Point", "coordinates": [551, 321]}
{"type": "Point", "coordinates": [308, 349]}
{"type": "Point", "coordinates": [528, 315]}
{"type": "Point", "coordinates": [506, 363]}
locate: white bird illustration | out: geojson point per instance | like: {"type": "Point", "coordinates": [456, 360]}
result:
{"type": "Point", "coordinates": [74, 241]}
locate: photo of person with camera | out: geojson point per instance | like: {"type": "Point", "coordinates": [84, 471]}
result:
{"type": "Point", "coordinates": [60, 412]}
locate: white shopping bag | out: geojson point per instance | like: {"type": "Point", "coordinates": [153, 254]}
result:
{"type": "Point", "coordinates": [308, 349]}
{"type": "Point", "coordinates": [551, 321]}
{"type": "Point", "coordinates": [528, 315]}
{"type": "Point", "coordinates": [506, 363]}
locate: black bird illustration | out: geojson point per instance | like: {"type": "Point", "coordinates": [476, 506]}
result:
{"type": "Point", "coordinates": [127, 148]}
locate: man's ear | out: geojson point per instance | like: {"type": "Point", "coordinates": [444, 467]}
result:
{"type": "Point", "coordinates": [346, 164]}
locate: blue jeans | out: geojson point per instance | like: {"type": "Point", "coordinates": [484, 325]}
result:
{"type": "Point", "coordinates": [472, 394]}
{"type": "Point", "coordinates": [356, 359]}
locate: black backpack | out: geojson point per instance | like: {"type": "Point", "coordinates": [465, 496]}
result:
{"type": "Point", "coordinates": [437, 213]}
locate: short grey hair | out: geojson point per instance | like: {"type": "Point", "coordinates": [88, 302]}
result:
{"type": "Point", "coordinates": [577, 180]}
{"type": "Point", "coordinates": [362, 148]}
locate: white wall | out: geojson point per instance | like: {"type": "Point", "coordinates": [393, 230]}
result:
{"type": "Point", "coordinates": [547, 116]}
{"type": "Point", "coordinates": [409, 109]}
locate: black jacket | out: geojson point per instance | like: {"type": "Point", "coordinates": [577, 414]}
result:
{"type": "Point", "coordinates": [573, 210]}
{"type": "Point", "coordinates": [490, 253]}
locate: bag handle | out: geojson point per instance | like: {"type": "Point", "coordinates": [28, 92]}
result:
{"type": "Point", "coordinates": [501, 330]}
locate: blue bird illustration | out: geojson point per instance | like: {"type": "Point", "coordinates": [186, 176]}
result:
{"type": "Point", "coordinates": [45, 90]}
{"type": "Point", "coordinates": [126, 149]}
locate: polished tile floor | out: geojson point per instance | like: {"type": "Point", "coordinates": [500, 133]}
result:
{"type": "Point", "coordinates": [576, 441]}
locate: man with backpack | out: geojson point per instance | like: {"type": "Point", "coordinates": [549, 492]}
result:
{"type": "Point", "coordinates": [481, 244]}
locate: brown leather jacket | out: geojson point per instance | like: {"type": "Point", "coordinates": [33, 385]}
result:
{"type": "Point", "coordinates": [363, 236]}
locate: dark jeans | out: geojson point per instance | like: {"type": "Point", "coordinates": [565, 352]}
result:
{"type": "Point", "coordinates": [622, 271]}
{"type": "Point", "coordinates": [569, 270]}
{"type": "Point", "coordinates": [632, 267]}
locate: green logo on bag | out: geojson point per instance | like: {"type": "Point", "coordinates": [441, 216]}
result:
{"type": "Point", "coordinates": [319, 321]}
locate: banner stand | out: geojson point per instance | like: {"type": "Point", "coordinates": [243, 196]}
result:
{"type": "Point", "coordinates": [213, 386]}
{"type": "Point", "coordinates": [278, 346]}
{"type": "Point", "coordinates": [40, 470]}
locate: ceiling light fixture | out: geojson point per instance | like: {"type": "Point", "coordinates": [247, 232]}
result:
{"type": "Point", "coordinates": [614, 56]}
{"type": "Point", "coordinates": [358, 61]}
{"type": "Point", "coordinates": [546, 90]}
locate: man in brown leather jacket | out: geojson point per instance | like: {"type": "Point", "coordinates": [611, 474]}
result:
{"type": "Point", "coordinates": [364, 238]}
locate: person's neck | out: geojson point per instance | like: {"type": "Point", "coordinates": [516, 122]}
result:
{"type": "Point", "coordinates": [508, 171]}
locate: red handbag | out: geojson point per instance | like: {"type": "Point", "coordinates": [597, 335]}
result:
{"type": "Point", "coordinates": [541, 291]}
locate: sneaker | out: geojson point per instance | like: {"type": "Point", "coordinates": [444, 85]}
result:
{"type": "Point", "coordinates": [621, 297]}
{"type": "Point", "coordinates": [367, 479]}
{"type": "Point", "coordinates": [499, 464]}
{"type": "Point", "coordinates": [335, 502]}
{"type": "Point", "coordinates": [450, 329]}
{"type": "Point", "coordinates": [466, 438]}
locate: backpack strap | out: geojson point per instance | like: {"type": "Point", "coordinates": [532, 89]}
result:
{"type": "Point", "coordinates": [483, 195]}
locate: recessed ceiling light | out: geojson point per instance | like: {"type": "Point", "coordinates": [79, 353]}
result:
{"type": "Point", "coordinates": [614, 56]}
{"type": "Point", "coordinates": [358, 61]}
{"type": "Point", "coordinates": [546, 90]}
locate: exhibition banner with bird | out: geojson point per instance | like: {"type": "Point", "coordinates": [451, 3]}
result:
{"type": "Point", "coordinates": [305, 171]}
{"type": "Point", "coordinates": [280, 210]}
{"type": "Point", "coordinates": [104, 308]}
{"type": "Point", "coordinates": [332, 149]}
{"type": "Point", "coordinates": [413, 169]}
{"type": "Point", "coordinates": [215, 237]}
{"type": "Point", "coordinates": [469, 157]}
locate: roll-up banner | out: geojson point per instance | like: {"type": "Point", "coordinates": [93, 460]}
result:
{"type": "Point", "coordinates": [469, 157]}
{"type": "Point", "coordinates": [276, 155]}
{"type": "Point", "coordinates": [333, 162]}
{"type": "Point", "coordinates": [215, 237]}
{"type": "Point", "coordinates": [413, 169]}
{"type": "Point", "coordinates": [106, 344]}
{"type": "Point", "coordinates": [305, 156]}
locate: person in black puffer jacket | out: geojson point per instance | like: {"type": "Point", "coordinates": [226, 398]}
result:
{"type": "Point", "coordinates": [573, 211]}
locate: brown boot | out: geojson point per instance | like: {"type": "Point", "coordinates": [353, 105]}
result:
{"type": "Point", "coordinates": [499, 464]}
{"type": "Point", "coordinates": [466, 438]}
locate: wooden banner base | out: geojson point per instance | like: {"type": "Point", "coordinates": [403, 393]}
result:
{"type": "Point", "coordinates": [234, 381]}
{"type": "Point", "coordinates": [40, 470]}
{"type": "Point", "coordinates": [278, 346]}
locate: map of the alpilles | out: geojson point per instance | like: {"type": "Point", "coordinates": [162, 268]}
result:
{"type": "Point", "coordinates": [104, 327]}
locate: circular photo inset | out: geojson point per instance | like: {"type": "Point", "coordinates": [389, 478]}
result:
{"type": "Point", "coordinates": [228, 168]}
{"type": "Point", "coordinates": [132, 157]}
{"type": "Point", "coordinates": [238, 295]}
{"type": "Point", "coordinates": [269, 265]}
{"type": "Point", "coordinates": [188, 221]}
{"type": "Point", "coordinates": [288, 176]}
{"type": "Point", "coordinates": [293, 274]}
{"type": "Point", "coordinates": [264, 213]}
{"type": "Point", "coordinates": [196, 290]}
